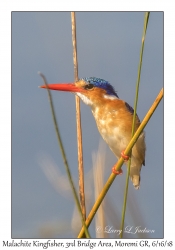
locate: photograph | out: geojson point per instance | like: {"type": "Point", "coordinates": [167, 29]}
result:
{"type": "Point", "coordinates": [87, 129]}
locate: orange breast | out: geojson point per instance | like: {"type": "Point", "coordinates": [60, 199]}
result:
{"type": "Point", "coordinates": [114, 123]}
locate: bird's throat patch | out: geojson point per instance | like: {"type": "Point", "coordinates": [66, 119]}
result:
{"type": "Point", "coordinates": [84, 98]}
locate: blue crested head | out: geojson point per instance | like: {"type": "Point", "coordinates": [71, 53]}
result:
{"type": "Point", "coordinates": [100, 83]}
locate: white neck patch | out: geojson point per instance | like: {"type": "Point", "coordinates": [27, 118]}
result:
{"type": "Point", "coordinates": [84, 99]}
{"type": "Point", "coordinates": [111, 97]}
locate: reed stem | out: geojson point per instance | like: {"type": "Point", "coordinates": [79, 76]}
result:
{"type": "Point", "coordinates": [78, 120]}
{"type": "Point", "coordinates": [133, 124]}
{"type": "Point", "coordinates": [120, 161]}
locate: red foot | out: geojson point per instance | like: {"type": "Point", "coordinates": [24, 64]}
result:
{"type": "Point", "coordinates": [116, 172]}
{"type": "Point", "coordinates": [125, 157]}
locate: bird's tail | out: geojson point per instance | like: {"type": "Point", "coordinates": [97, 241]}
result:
{"type": "Point", "coordinates": [135, 176]}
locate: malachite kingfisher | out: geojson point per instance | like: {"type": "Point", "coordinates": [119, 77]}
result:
{"type": "Point", "coordinates": [113, 117]}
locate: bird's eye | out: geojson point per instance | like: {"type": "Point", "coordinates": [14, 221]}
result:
{"type": "Point", "coordinates": [89, 86]}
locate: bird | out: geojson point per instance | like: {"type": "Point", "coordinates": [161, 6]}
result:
{"type": "Point", "coordinates": [114, 119]}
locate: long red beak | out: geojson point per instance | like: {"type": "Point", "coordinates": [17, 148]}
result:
{"type": "Point", "coordinates": [63, 87]}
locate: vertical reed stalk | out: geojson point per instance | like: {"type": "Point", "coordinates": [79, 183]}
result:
{"type": "Point", "coordinates": [78, 119]}
{"type": "Point", "coordinates": [133, 124]}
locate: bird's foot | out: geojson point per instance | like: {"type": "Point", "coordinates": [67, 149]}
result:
{"type": "Point", "coordinates": [116, 172]}
{"type": "Point", "coordinates": [125, 157]}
